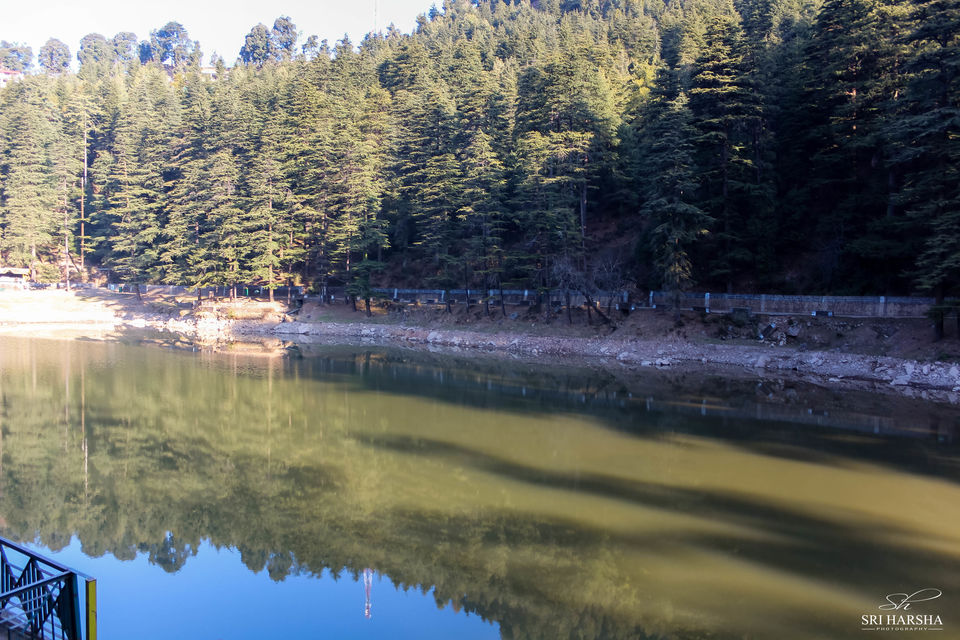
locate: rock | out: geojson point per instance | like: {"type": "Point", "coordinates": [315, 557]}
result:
{"type": "Point", "coordinates": [954, 372]}
{"type": "Point", "coordinates": [926, 369]}
{"type": "Point", "coordinates": [287, 327]}
{"type": "Point", "coordinates": [514, 315]}
{"type": "Point", "coordinates": [909, 367]}
{"type": "Point", "coordinates": [663, 362]}
{"type": "Point", "coordinates": [902, 380]}
{"type": "Point", "coordinates": [793, 330]}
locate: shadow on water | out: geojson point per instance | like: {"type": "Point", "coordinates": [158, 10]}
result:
{"type": "Point", "coordinates": [558, 503]}
{"type": "Point", "coordinates": [797, 542]}
{"type": "Point", "coordinates": [776, 417]}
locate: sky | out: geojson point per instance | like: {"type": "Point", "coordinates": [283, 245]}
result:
{"type": "Point", "coordinates": [219, 25]}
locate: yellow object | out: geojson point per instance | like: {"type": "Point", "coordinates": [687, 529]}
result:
{"type": "Point", "coordinates": [91, 610]}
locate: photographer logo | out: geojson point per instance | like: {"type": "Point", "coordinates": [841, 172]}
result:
{"type": "Point", "coordinates": [905, 612]}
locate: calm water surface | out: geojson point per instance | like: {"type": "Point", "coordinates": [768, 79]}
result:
{"type": "Point", "coordinates": [361, 493]}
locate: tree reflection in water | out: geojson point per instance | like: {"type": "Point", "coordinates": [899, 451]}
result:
{"type": "Point", "coordinates": [558, 503]}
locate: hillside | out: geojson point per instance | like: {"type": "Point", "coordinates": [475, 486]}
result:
{"type": "Point", "coordinates": [587, 144]}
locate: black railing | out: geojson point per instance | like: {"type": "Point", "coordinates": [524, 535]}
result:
{"type": "Point", "coordinates": [40, 598]}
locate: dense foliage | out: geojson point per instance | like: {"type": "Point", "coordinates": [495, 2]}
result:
{"type": "Point", "coordinates": [751, 145]}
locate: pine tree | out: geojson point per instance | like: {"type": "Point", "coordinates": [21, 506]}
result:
{"type": "Point", "coordinates": [30, 195]}
{"type": "Point", "coordinates": [140, 155]}
{"type": "Point", "coordinates": [930, 134]}
{"type": "Point", "coordinates": [670, 187]}
{"type": "Point", "coordinates": [187, 200]}
{"type": "Point", "coordinates": [855, 63]}
{"type": "Point", "coordinates": [725, 106]}
{"type": "Point", "coordinates": [224, 237]}
{"type": "Point", "coordinates": [482, 211]}
{"type": "Point", "coordinates": [266, 218]}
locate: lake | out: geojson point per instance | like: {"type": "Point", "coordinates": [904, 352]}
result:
{"type": "Point", "coordinates": [362, 492]}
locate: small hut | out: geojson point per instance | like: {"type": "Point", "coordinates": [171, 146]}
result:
{"type": "Point", "coordinates": [14, 276]}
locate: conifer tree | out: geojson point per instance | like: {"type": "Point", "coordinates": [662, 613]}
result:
{"type": "Point", "coordinates": [930, 133]}
{"type": "Point", "coordinates": [139, 159]}
{"type": "Point", "coordinates": [724, 105]}
{"type": "Point", "coordinates": [266, 219]}
{"type": "Point", "coordinates": [30, 194]}
{"type": "Point", "coordinates": [670, 186]}
{"type": "Point", "coordinates": [180, 252]}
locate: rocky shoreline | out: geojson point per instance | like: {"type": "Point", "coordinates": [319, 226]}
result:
{"type": "Point", "coordinates": [217, 329]}
{"type": "Point", "coordinates": [936, 380]}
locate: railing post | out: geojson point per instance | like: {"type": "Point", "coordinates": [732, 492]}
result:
{"type": "Point", "coordinates": [71, 592]}
{"type": "Point", "coordinates": [91, 622]}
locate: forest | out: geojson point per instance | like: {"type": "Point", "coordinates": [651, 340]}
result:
{"type": "Point", "coordinates": [788, 146]}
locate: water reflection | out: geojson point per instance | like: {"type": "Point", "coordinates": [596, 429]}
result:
{"type": "Point", "coordinates": [558, 503]}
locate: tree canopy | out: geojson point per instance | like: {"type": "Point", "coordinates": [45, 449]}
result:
{"type": "Point", "coordinates": [747, 146]}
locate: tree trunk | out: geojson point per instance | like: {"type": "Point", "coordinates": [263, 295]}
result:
{"type": "Point", "coordinates": [66, 249]}
{"type": "Point", "coordinates": [569, 311]}
{"type": "Point", "coordinates": [583, 219]}
{"type": "Point", "coordinates": [366, 302]}
{"type": "Point", "coordinates": [83, 197]}
{"type": "Point", "coordinates": [503, 305]}
{"type": "Point", "coordinates": [139, 296]}
{"type": "Point", "coordinates": [270, 266]}
{"type": "Point", "coordinates": [592, 304]}
{"type": "Point", "coordinates": [74, 263]}
{"type": "Point", "coordinates": [938, 313]}
{"type": "Point", "coordinates": [724, 162]}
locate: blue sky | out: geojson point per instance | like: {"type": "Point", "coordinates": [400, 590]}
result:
{"type": "Point", "coordinates": [219, 25]}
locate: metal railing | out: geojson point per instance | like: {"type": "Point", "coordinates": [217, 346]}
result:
{"type": "Point", "coordinates": [40, 598]}
{"type": "Point", "coordinates": [847, 306]}
{"type": "Point", "coordinates": [768, 304]}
